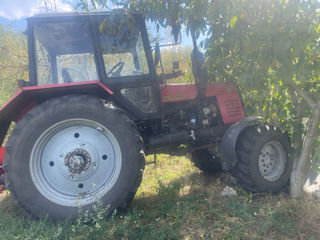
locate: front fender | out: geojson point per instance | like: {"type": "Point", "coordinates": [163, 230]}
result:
{"type": "Point", "coordinates": [228, 153]}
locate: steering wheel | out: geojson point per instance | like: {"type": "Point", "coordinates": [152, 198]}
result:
{"type": "Point", "coordinates": [116, 73]}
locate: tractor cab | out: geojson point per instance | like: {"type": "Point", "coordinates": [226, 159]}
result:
{"type": "Point", "coordinates": [110, 47]}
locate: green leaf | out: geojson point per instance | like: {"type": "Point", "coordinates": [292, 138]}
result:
{"type": "Point", "coordinates": [233, 21]}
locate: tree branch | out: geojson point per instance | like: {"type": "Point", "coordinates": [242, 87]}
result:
{"type": "Point", "coordinates": [303, 94]}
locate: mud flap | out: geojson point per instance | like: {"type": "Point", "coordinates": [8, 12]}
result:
{"type": "Point", "coordinates": [229, 156]}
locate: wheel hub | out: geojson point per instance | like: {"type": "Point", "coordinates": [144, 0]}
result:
{"type": "Point", "coordinates": [77, 161]}
{"type": "Point", "coordinates": [272, 160]}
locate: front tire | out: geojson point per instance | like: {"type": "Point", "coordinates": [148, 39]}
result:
{"type": "Point", "coordinates": [71, 152]}
{"type": "Point", "coordinates": [206, 161]}
{"type": "Point", "coordinates": [263, 162]}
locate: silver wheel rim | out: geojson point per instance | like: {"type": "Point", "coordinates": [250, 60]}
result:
{"type": "Point", "coordinates": [272, 161]}
{"type": "Point", "coordinates": [75, 162]}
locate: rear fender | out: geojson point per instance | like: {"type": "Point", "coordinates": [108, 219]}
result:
{"type": "Point", "coordinates": [29, 97]}
{"type": "Point", "coordinates": [228, 153]}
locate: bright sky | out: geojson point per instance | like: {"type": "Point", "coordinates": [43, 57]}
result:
{"type": "Point", "coordinates": [17, 9]}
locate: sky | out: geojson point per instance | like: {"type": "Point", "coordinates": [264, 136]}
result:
{"type": "Point", "coordinates": [14, 13]}
{"type": "Point", "coordinates": [17, 9]}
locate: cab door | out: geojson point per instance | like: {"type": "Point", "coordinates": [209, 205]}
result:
{"type": "Point", "coordinates": [125, 64]}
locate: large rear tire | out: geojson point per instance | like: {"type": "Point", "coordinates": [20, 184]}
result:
{"type": "Point", "coordinates": [263, 162]}
{"type": "Point", "coordinates": [72, 152]}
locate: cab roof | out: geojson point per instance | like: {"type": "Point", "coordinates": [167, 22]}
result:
{"type": "Point", "coordinates": [72, 15]}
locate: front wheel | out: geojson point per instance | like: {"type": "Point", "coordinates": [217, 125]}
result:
{"type": "Point", "coordinates": [263, 162]}
{"type": "Point", "coordinates": [72, 152]}
{"type": "Point", "coordinates": [206, 161]}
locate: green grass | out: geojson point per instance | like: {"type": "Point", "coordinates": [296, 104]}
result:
{"type": "Point", "coordinates": [176, 201]}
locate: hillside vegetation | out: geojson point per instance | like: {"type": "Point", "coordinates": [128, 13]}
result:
{"type": "Point", "coordinates": [13, 61]}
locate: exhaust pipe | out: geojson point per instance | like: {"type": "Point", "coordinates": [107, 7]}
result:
{"type": "Point", "coordinates": [183, 137]}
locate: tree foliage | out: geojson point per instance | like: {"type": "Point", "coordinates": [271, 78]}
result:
{"type": "Point", "coordinates": [271, 49]}
{"type": "Point", "coordinates": [265, 44]}
{"type": "Point", "coordinates": [173, 13]}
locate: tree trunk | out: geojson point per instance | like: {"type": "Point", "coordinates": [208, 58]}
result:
{"type": "Point", "coordinates": [299, 105]}
{"type": "Point", "coordinates": [302, 163]}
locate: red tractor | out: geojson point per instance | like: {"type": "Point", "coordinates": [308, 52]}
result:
{"type": "Point", "coordinates": [94, 106]}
